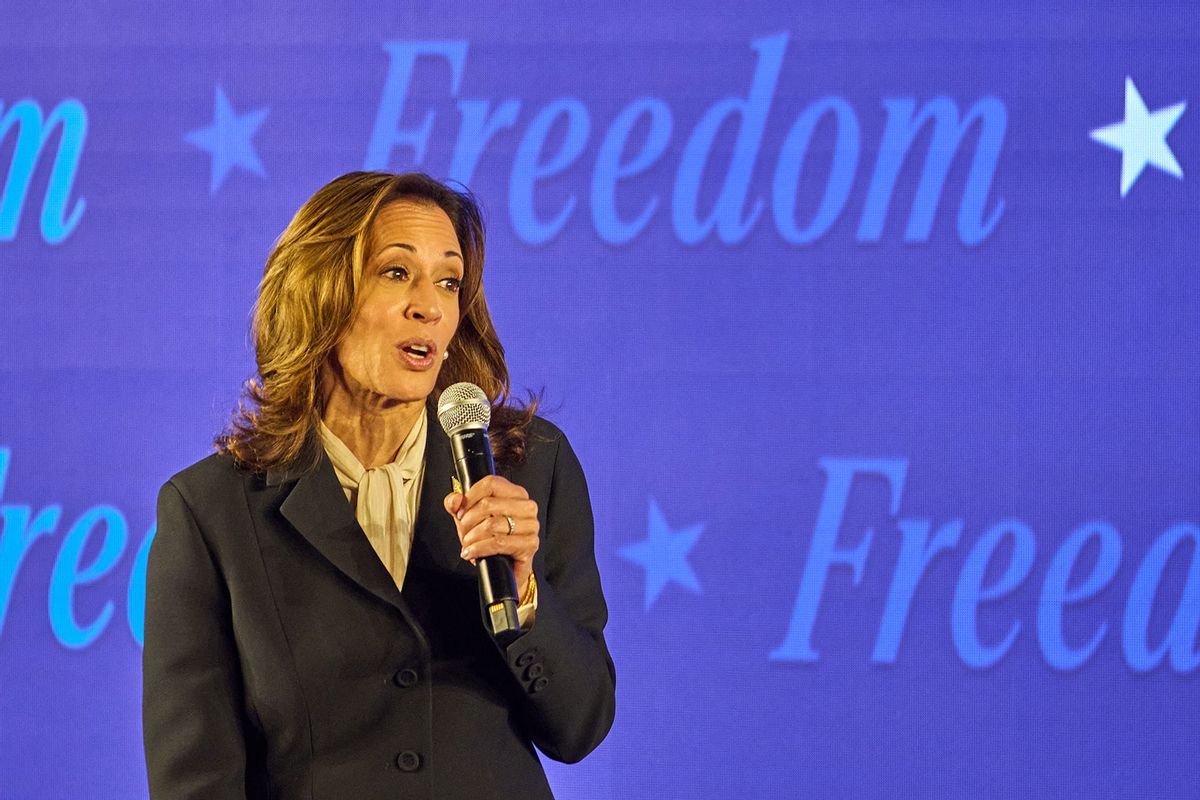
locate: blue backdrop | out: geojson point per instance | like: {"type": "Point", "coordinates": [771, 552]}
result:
{"type": "Point", "coordinates": [874, 325]}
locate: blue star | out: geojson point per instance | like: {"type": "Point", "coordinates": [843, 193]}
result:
{"type": "Point", "coordinates": [663, 554]}
{"type": "Point", "coordinates": [228, 139]}
{"type": "Point", "coordinates": [1142, 137]}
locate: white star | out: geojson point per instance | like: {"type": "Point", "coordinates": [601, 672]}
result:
{"type": "Point", "coordinates": [1142, 137]}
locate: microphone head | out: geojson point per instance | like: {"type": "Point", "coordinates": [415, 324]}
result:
{"type": "Point", "coordinates": [463, 406]}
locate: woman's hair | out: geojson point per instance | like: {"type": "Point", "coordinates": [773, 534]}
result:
{"type": "Point", "coordinates": [307, 300]}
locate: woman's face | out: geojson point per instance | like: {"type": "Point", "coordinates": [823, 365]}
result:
{"type": "Point", "coordinates": [407, 306]}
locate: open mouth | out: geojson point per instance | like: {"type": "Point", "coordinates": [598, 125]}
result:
{"type": "Point", "coordinates": [418, 353]}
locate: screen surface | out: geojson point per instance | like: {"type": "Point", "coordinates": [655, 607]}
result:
{"type": "Point", "coordinates": [874, 326]}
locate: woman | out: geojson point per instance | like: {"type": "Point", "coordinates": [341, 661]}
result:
{"type": "Point", "coordinates": [313, 627]}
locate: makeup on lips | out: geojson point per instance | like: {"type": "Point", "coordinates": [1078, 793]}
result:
{"type": "Point", "coordinates": [418, 354]}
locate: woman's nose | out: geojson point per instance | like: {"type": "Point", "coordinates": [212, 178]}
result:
{"type": "Point", "coordinates": [423, 302]}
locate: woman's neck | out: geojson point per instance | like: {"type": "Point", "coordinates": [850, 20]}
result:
{"type": "Point", "coordinates": [371, 428]}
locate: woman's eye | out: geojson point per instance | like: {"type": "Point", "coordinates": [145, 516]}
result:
{"type": "Point", "coordinates": [396, 273]}
{"type": "Point", "coordinates": [453, 284]}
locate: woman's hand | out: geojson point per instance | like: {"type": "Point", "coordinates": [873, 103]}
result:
{"type": "Point", "coordinates": [482, 519]}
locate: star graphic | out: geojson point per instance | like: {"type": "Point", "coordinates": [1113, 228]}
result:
{"type": "Point", "coordinates": [1142, 137]}
{"type": "Point", "coordinates": [228, 139]}
{"type": "Point", "coordinates": [663, 554]}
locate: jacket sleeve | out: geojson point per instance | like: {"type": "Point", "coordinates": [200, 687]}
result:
{"type": "Point", "coordinates": [562, 663]}
{"type": "Point", "coordinates": [191, 681]}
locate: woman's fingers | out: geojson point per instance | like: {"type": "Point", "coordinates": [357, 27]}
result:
{"type": "Point", "coordinates": [490, 486]}
{"type": "Point", "coordinates": [497, 528]}
{"type": "Point", "coordinates": [523, 512]}
{"type": "Point", "coordinates": [509, 546]}
{"type": "Point", "coordinates": [482, 518]}
{"type": "Point", "coordinates": [494, 486]}
{"type": "Point", "coordinates": [451, 502]}
{"type": "Point", "coordinates": [519, 548]}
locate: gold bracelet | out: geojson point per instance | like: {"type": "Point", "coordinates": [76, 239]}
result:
{"type": "Point", "coordinates": [530, 591]}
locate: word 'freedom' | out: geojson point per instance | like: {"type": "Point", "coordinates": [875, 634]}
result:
{"type": "Point", "coordinates": [736, 210]}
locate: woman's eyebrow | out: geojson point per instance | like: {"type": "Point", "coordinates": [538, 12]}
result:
{"type": "Point", "coordinates": [411, 249]}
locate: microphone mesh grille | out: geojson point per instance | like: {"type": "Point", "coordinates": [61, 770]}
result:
{"type": "Point", "coordinates": [463, 406]}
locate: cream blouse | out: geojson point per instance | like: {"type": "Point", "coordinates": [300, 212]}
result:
{"type": "Point", "coordinates": [385, 498]}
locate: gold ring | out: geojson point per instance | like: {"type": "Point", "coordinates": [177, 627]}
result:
{"type": "Point", "coordinates": [512, 526]}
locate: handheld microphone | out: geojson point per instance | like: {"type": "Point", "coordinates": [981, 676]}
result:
{"type": "Point", "coordinates": [464, 412]}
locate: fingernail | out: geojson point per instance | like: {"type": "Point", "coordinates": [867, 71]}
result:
{"type": "Point", "coordinates": [465, 554]}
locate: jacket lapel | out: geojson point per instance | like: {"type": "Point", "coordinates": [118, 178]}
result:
{"type": "Point", "coordinates": [316, 507]}
{"type": "Point", "coordinates": [435, 541]}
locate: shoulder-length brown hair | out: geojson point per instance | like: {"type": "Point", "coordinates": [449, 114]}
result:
{"type": "Point", "coordinates": [308, 297]}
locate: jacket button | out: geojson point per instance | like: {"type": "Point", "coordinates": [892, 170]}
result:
{"type": "Point", "coordinates": [408, 761]}
{"type": "Point", "coordinates": [405, 678]}
{"type": "Point", "coordinates": [539, 684]}
{"type": "Point", "coordinates": [525, 659]}
{"type": "Point", "coordinates": [534, 671]}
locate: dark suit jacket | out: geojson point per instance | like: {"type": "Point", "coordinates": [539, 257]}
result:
{"type": "Point", "coordinates": [281, 662]}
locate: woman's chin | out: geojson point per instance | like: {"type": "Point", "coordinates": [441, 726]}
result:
{"type": "Point", "coordinates": [411, 391]}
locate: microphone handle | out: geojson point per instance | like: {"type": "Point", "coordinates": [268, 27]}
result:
{"type": "Point", "coordinates": [497, 583]}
